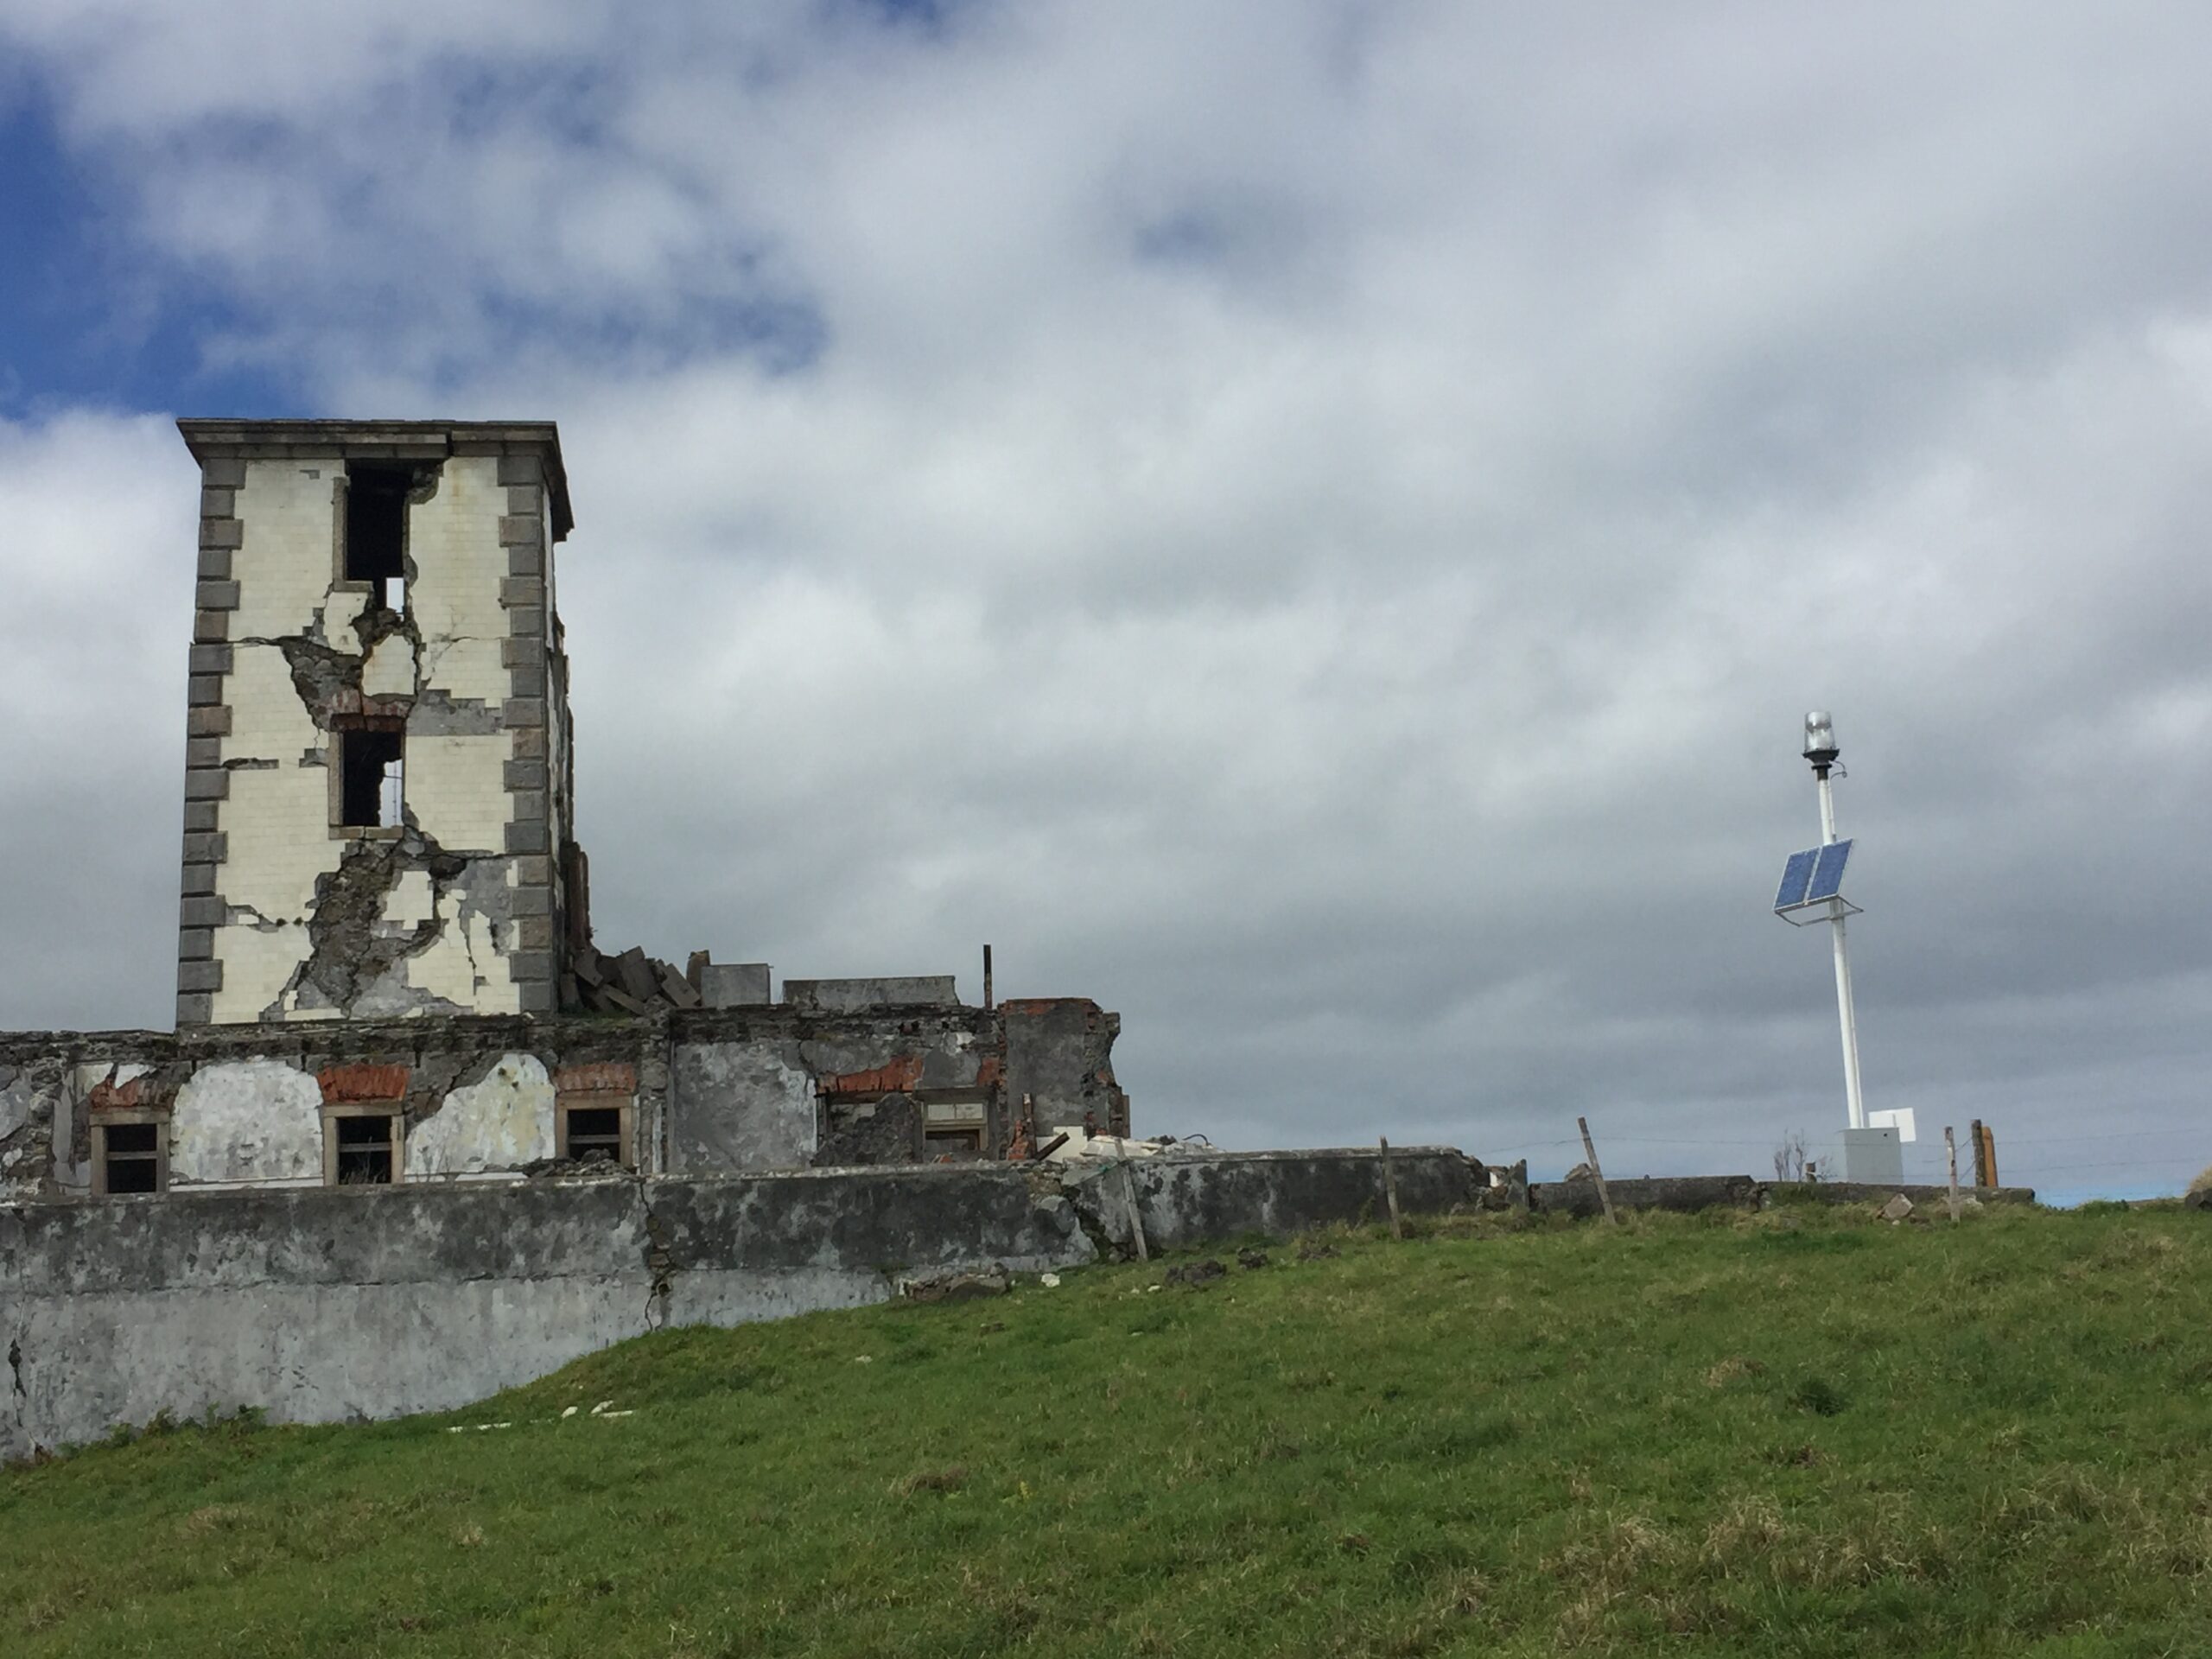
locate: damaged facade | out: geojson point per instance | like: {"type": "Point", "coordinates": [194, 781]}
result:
{"type": "Point", "coordinates": [386, 972]}
{"type": "Point", "coordinates": [377, 778]}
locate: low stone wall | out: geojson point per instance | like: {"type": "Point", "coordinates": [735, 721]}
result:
{"type": "Point", "coordinates": [1679, 1193]}
{"type": "Point", "coordinates": [1195, 1200]}
{"type": "Point", "coordinates": [321, 1304]}
{"type": "Point", "coordinates": [1693, 1192]}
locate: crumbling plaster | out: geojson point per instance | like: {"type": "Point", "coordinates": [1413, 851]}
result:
{"type": "Point", "coordinates": [247, 1120]}
{"type": "Point", "coordinates": [503, 1123]}
{"type": "Point", "coordinates": [304, 649]}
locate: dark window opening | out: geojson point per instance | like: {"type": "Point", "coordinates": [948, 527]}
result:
{"type": "Point", "coordinates": [952, 1143]}
{"type": "Point", "coordinates": [133, 1158]}
{"type": "Point", "coordinates": [371, 778]}
{"type": "Point", "coordinates": [375, 530]}
{"type": "Point", "coordinates": [596, 1132]}
{"type": "Point", "coordinates": [364, 1151]}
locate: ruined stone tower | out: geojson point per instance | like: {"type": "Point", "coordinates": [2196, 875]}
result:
{"type": "Point", "coordinates": [377, 780]}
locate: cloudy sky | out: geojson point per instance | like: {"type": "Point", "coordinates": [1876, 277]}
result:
{"type": "Point", "coordinates": [1314, 524]}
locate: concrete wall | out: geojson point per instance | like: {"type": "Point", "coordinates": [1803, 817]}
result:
{"type": "Point", "coordinates": [1187, 1200]}
{"type": "Point", "coordinates": [326, 1304]}
{"type": "Point", "coordinates": [284, 916]}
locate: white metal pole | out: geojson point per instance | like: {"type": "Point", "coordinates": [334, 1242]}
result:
{"type": "Point", "coordinates": [1854, 1102]}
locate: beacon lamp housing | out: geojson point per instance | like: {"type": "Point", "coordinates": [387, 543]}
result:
{"type": "Point", "coordinates": [1819, 740]}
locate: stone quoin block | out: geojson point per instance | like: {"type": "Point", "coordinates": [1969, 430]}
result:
{"type": "Point", "coordinates": [217, 504]}
{"type": "Point", "coordinates": [203, 815]}
{"type": "Point", "coordinates": [219, 596]}
{"type": "Point", "coordinates": [515, 470]}
{"type": "Point", "coordinates": [204, 690]}
{"type": "Point", "coordinates": [207, 723]}
{"type": "Point", "coordinates": [537, 997]}
{"type": "Point", "coordinates": [521, 712]}
{"type": "Point", "coordinates": [200, 977]}
{"type": "Point", "coordinates": [197, 1009]}
{"type": "Point", "coordinates": [211, 659]}
{"type": "Point", "coordinates": [206, 784]}
{"type": "Point", "coordinates": [528, 837]}
{"type": "Point", "coordinates": [524, 500]}
{"type": "Point", "coordinates": [223, 474]}
{"type": "Point", "coordinates": [195, 943]}
{"type": "Point", "coordinates": [521, 529]}
{"type": "Point", "coordinates": [524, 774]}
{"type": "Point", "coordinates": [523, 651]}
{"type": "Point", "coordinates": [205, 848]}
{"type": "Point", "coordinates": [210, 627]}
{"type": "Point", "coordinates": [199, 879]}
{"type": "Point", "coordinates": [529, 964]}
{"type": "Point", "coordinates": [529, 744]}
{"type": "Point", "coordinates": [531, 901]}
{"type": "Point", "coordinates": [528, 591]}
{"type": "Point", "coordinates": [203, 910]}
{"type": "Point", "coordinates": [525, 560]}
{"type": "Point", "coordinates": [214, 564]}
{"type": "Point", "coordinates": [533, 872]}
{"type": "Point", "coordinates": [222, 532]}
{"type": "Point", "coordinates": [203, 750]}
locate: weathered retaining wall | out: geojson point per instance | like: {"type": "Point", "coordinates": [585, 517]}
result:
{"type": "Point", "coordinates": [1692, 1192]}
{"type": "Point", "coordinates": [324, 1304]}
{"type": "Point", "coordinates": [1191, 1200]}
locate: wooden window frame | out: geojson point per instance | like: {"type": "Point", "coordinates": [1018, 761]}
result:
{"type": "Point", "coordinates": [944, 1129]}
{"type": "Point", "coordinates": [626, 1105]}
{"type": "Point", "coordinates": [390, 1109]}
{"type": "Point", "coordinates": [100, 1123]}
{"type": "Point", "coordinates": [341, 728]}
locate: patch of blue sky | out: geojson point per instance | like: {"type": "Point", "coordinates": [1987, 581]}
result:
{"type": "Point", "coordinates": [85, 316]}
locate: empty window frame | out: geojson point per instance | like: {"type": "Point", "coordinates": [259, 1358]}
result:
{"type": "Point", "coordinates": [129, 1156]}
{"type": "Point", "coordinates": [375, 530]}
{"type": "Point", "coordinates": [954, 1127]}
{"type": "Point", "coordinates": [369, 782]}
{"type": "Point", "coordinates": [596, 1127]}
{"type": "Point", "coordinates": [361, 1146]}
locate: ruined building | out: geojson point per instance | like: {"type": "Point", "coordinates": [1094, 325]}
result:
{"type": "Point", "coordinates": [385, 965]}
{"type": "Point", "coordinates": [378, 782]}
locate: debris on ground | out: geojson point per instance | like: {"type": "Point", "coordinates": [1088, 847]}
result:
{"type": "Point", "coordinates": [1897, 1209]}
{"type": "Point", "coordinates": [1196, 1273]}
{"type": "Point", "coordinates": [1249, 1259]}
{"type": "Point", "coordinates": [956, 1284]}
{"type": "Point", "coordinates": [1314, 1250]}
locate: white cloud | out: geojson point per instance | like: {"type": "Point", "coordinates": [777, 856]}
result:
{"type": "Point", "coordinates": [1314, 524]}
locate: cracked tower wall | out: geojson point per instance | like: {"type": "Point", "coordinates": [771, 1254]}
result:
{"type": "Point", "coordinates": [288, 913]}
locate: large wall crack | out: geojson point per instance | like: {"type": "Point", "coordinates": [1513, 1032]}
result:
{"type": "Point", "coordinates": [352, 948]}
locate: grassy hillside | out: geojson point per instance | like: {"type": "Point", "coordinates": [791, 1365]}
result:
{"type": "Point", "coordinates": [1801, 1433]}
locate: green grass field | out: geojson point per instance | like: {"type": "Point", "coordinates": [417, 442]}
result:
{"type": "Point", "coordinates": [1799, 1433]}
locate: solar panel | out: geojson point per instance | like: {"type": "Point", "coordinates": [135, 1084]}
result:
{"type": "Point", "coordinates": [1827, 874]}
{"type": "Point", "coordinates": [1796, 876]}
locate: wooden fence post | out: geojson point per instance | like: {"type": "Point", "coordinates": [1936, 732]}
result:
{"type": "Point", "coordinates": [1390, 1191]}
{"type": "Point", "coordinates": [1589, 1152]}
{"type": "Point", "coordinates": [1980, 1153]}
{"type": "Point", "coordinates": [1989, 1152]}
{"type": "Point", "coordinates": [1129, 1198]}
{"type": "Point", "coordinates": [1951, 1154]}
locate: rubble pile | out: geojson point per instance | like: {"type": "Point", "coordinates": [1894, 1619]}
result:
{"type": "Point", "coordinates": [635, 984]}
